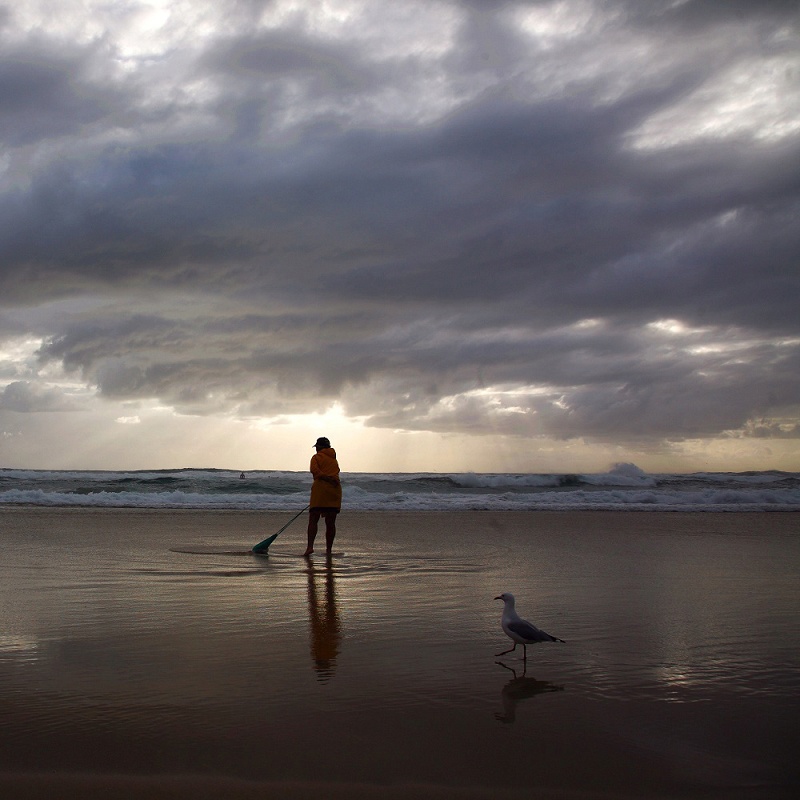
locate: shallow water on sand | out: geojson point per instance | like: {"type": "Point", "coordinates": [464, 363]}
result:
{"type": "Point", "coordinates": [121, 651]}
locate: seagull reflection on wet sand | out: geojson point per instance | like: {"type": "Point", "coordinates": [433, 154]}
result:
{"type": "Point", "coordinates": [518, 689]}
{"type": "Point", "coordinates": [325, 628]}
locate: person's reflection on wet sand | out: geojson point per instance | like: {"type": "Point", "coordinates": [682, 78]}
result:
{"type": "Point", "coordinates": [518, 689]}
{"type": "Point", "coordinates": [325, 627]}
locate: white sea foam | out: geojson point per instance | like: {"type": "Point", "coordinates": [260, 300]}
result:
{"type": "Point", "coordinates": [625, 487]}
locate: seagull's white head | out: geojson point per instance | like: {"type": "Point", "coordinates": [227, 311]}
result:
{"type": "Point", "coordinates": [506, 597]}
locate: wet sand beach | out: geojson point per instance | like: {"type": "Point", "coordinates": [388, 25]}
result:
{"type": "Point", "coordinates": [147, 653]}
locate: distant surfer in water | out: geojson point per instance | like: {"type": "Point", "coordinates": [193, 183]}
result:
{"type": "Point", "coordinates": [326, 494]}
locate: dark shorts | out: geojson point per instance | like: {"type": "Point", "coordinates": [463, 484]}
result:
{"type": "Point", "coordinates": [324, 510]}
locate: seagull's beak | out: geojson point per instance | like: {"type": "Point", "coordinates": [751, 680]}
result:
{"type": "Point", "coordinates": [499, 597]}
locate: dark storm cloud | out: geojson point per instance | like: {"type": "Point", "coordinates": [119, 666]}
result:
{"type": "Point", "coordinates": [492, 265]}
{"type": "Point", "coordinates": [26, 397]}
{"type": "Point", "coordinates": [47, 90]}
{"type": "Point", "coordinates": [707, 14]}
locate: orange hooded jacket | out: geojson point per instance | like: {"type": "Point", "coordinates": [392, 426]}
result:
{"type": "Point", "coordinates": [326, 491]}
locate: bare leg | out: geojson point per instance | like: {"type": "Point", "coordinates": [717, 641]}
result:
{"type": "Point", "coordinates": [313, 522]}
{"type": "Point", "coordinates": [330, 530]}
{"type": "Point", "coordinates": [507, 651]}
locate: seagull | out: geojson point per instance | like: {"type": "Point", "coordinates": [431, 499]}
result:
{"type": "Point", "coordinates": [520, 631]}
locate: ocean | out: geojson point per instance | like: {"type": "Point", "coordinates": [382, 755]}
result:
{"type": "Point", "coordinates": [624, 488]}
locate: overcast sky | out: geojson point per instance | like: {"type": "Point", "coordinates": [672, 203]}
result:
{"type": "Point", "coordinates": [451, 235]}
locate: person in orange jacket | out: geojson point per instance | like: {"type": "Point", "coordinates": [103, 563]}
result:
{"type": "Point", "coordinates": [326, 494]}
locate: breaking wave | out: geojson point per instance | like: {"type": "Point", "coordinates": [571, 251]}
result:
{"type": "Point", "coordinates": [624, 487]}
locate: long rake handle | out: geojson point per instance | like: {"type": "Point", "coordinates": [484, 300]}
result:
{"type": "Point", "coordinates": [292, 520]}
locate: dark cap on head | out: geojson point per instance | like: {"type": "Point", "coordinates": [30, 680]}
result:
{"type": "Point", "coordinates": [323, 441]}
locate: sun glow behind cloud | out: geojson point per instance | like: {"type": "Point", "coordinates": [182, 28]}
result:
{"type": "Point", "coordinates": [758, 100]}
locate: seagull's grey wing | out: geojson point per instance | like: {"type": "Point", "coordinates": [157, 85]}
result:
{"type": "Point", "coordinates": [529, 632]}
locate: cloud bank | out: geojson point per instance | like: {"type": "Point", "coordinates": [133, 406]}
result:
{"type": "Point", "coordinates": [571, 219]}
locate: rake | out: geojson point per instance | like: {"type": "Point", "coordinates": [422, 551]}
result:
{"type": "Point", "coordinates": [263, 546]}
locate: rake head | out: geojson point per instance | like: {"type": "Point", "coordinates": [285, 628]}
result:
{"type": "Point", "coordinates": [262, 547]}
